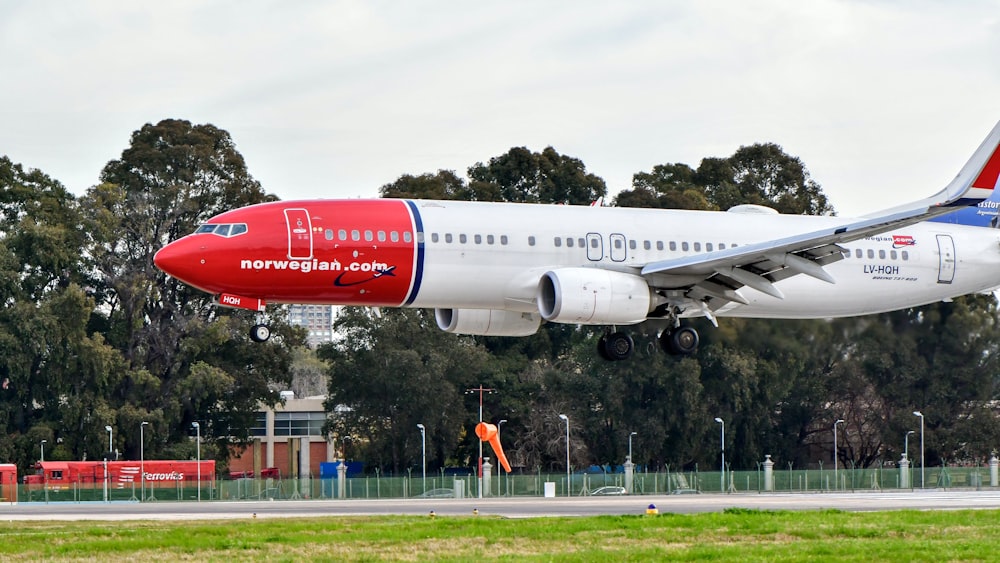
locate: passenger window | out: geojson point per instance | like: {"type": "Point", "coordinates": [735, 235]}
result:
{"type": "Point", "coordinates": [569, 242]}
{"type": "Point", "coordinates": [328, 234]}
{"type": "Point", "coordinates": [369, 236]}
{"type": "Point", "coordinates": [434, 237]}
{"type": "Point", "coordinates": [594, 242]}
{"type": "Point", "coordinates": [858, 253]}
{"type": "Point", "coordinates": [659, 245]}
{"type": "Point", "coordinates": [503, 239]}
{"type": "Point", "coordinates": [355, 235]}
{"type": "Point", "coordinates": [697, 247]}
{"type": "Point", "coordinates": [673, 246]}
{"type": "Point", "coordinates": [722, 246]}
{"type": "Point", "coordinates": [381, 236]}
{"type": "Point", "coordinates": [478, 239]}
{"type": "Point", "coordinates": [394, 236]}
{"type": "Point", "coordinates": [618, 243]}
{"type": "Point", "coordinates": [892, 254]}
{"type": "Point", "coordinates": [558, 242]}
{"type": "Point", "coordinates": [871, 254]}
{"type": "Point", "coordinates": [447, 238]}
{"type": "Point", "coordinates": [633, 244]}
{"type": "Point", "coordinates": [489, 239]}
{"type": "Point", "coordinates": [462, 238]}
{"type": "Point", "coordinates": [531, 241]}
{"type": "Point", "coordinates": [647, 245]}
{"type": "Point", "coordinates": [342, 234]}
{"type": "Point", "coordinates": [582, 243]}
{"type": "Point", "coordinates": [684, 246]}
{"type": "Point", "coordinates": [708, 246]}
{"type": "Point", "coordinates": [904, 254]}
{"type": "Point", "coordinates": [407, 237]}
{"type": "Point", "coordinates": [881, 254]}
{"type": "Point", "coordinates": [420, 237]}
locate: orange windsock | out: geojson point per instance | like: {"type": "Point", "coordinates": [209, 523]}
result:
{"type": "Point", "coordinates": [488, 433]}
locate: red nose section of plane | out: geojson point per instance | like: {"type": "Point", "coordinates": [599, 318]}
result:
{"type": "Point", "coordinates": [180, 260]}
{"type": "Point", "coordinates": [363, 252]}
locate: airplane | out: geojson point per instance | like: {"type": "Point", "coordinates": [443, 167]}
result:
{"type": "Point", "coordinates": [503, 268]}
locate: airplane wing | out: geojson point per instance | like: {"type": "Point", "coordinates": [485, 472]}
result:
{"type": "Point", "coordinates": [712, 280]}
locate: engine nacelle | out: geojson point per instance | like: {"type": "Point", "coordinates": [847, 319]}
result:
{"type": "Point", "coordinates": [593, 296]}
{"type": "Point", "coordinates": [487, 322]}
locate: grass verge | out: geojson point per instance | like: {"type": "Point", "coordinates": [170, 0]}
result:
{"type": "Point", "coordinates": [734, 535]}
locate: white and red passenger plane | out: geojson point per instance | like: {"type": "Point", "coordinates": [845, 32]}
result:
{"type": "Point", "coordinates": [503, 268]}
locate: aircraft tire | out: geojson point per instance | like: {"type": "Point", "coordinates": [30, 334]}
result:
{"type": "Point", "coordinates": [617, 346]}
{"type": "Point", "coordinates": [682, 341]}
{"type": "Point", "coordinates": [260, 333]}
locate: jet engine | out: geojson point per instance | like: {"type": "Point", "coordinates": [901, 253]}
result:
{"type": "Point", "coordinates": [593, 296]}
{"type": "Point", "coordinates": [487, 322]}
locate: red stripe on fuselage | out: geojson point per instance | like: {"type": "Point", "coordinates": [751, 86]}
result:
{"type": "Point", "coordinates": [355, 258]}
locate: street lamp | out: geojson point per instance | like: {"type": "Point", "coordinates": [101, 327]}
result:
{"type": "Point", "coordinates": [106, 456]}
{"type": "Point", "coordinates": [836, 484]}
{"type": "Point", "coordinates": [630, 445]}
{"type": "Point", "coordinates": [566, 418]}
{"type": "Point", "coordinates": [142, 459]}
{"type": "Point", "coordinates": [423, 454]}
{"type": "Point", "coordinates": [722, 476]}
{"type": "Point", "coordinates": [921, 415]}
{"type": "Point", "coordinates": [197, 429]}
{"type": "Point", "coordinates": [499, 466]}
{"type": "Point", "coordinates": [110, 441]}
{"type": "Point", "coordinates": [906, 444]}
{"type": "Point", "coordinates": [43, 450]}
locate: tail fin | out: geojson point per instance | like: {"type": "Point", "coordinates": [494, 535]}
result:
{"type": "Point", "coordinates": [977, 181]}
{"type": "Point", "coordinates": [975, 192]}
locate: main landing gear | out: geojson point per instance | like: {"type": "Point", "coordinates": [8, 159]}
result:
{"type": "Point", "coordinates": [677, 341]}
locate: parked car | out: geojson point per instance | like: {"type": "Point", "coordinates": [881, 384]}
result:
{"type": "Point", "coordinates": [608, 491]}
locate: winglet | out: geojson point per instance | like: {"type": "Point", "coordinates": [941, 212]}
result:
{"type": "Point", "coordinates": [978, 178]}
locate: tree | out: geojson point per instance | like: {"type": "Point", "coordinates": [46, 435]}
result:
{"type": "Point", "coordinates": [525, 177]}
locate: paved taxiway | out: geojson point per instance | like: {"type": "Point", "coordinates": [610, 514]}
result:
{"type": "Point", "coordinates": [523, 507]}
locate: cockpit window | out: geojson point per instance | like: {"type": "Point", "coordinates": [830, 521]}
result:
{"type": "Point", "coordinates": [223, 230]}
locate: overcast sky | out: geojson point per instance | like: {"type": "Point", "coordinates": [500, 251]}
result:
{"type": "Point", "coordinates": [882, 100]}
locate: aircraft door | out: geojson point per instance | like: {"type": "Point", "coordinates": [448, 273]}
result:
{"type": "Point", "coordinates": [300, 244]}
{"type": "Point", "coordinates": [617, 242]}
{"type": "Point", "coordinates": [946, 253]}
{"type": "Point", "coordinates": [595, 247]}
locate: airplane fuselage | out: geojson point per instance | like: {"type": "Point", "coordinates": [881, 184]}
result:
{"type": "Point", "coordinates": [468, 255]}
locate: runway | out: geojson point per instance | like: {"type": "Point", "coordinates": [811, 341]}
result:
{"type": "Point", "coordinates": [520, 507]}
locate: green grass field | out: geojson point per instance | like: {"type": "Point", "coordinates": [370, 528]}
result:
{"type": "Point", "coordinates": [735, 535]}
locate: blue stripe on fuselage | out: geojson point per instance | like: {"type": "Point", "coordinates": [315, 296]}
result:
{"type": "Point", "coordinates": [418, 272]}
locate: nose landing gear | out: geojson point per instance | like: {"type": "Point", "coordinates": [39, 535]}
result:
{"type": "Point", "coordinates": [260, 332]}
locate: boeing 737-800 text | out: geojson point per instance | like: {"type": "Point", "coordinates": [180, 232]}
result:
{"type": "Point", "coordinates": [503, 268]}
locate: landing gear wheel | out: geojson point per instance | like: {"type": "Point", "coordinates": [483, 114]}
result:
{"type": "Point", "coordinates": [616, 346]}
{"type": "Point", "coordinates": [681, 341]}
{"type": "Point", "coordinates": [260, 333]}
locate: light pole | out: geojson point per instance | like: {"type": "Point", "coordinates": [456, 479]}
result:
{"type": "Point", "coordinates": [197, 429]}
{"type": "Point", "coordinates": [499, 466]}
{"type": "Point", "coordinates": [142, 459]}
{"type": "Point", "coordinates": [106, 492]}
{"type": "Point", "coordinates": [836, 484]}
{"type": "Point", "coordinates": [906, 444]}
{"type": "Point", "coordinates": [423, 454]}
{"type": "Point", "coordinates": [722, 477]}
{"type": "Point", "coordinates": [110, 441]}
{"type": "Point", "coordinates": [630, 434]}
{"type": "Point", "coordinates": [921, 415]}
{"type": "Point", "coordinates": [566, 418]}
{"type": "Point", "coordinates": [43, 450]}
